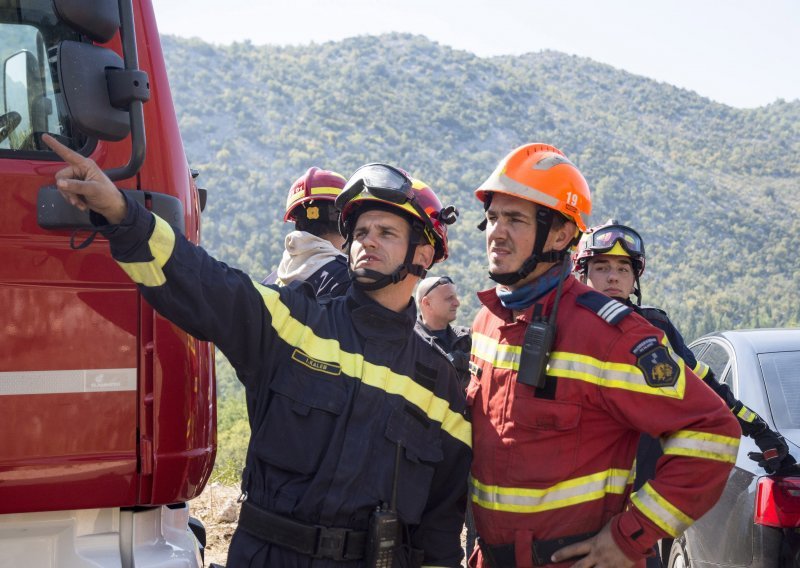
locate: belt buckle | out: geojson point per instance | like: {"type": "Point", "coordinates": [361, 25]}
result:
{"type": "Point", "coordinates": [330, 543]}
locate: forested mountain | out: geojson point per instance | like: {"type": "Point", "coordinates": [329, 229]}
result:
{"type": "Point", "coordinates": [712, 189]}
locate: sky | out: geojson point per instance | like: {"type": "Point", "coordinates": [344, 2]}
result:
{"type": "Point", "coordinates": [738, 52]}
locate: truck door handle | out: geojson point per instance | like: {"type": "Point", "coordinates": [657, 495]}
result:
{"type": "Point", "coordinates": [54, 213]}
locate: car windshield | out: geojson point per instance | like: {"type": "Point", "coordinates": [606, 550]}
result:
{"type": "Point", "coordinates": [782, 378]}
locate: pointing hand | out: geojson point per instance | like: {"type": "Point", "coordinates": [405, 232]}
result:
{"type": "Point", "coordinates": [84, 185]}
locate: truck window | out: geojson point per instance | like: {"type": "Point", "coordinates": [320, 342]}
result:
{"type": "Point", "coordinates": [31, 103]}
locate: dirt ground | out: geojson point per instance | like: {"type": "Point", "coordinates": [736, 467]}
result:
{"type": "Point", "coordinates": [218, 510]}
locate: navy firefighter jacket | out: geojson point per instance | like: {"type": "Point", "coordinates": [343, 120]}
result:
{"type": "Point", "coordinates": [334, 392]}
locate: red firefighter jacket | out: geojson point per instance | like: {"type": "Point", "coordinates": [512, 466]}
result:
{"type": "Point", "coordinates": [559, 460]}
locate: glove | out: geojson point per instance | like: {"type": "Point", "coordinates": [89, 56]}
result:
{"type": "Point", "coordinates": [773, 451]}
{"type": "Point", "coordinates": [788, 467]}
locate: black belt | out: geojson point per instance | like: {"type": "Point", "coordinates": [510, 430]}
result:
{"type": "Point", "coordinates": [315, 541]}
{"type": "Point", "coordinates": [504, 555]}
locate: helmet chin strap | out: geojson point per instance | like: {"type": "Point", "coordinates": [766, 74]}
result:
{"type": "Point", "coordinates": [544, 221]}
{"type": "Point", "coordinates": [637, 290]}
{"type": "Point", "coordinates": [380, 280]}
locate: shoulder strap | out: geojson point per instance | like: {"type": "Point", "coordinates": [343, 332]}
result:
{"type": "Point", "coordinates": [610, 310]}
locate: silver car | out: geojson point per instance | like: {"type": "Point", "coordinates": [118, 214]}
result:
{"type": "Point", "coordinates": [756, 522]}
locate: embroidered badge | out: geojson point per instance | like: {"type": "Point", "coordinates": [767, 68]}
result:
{"type": "Point", "coordinates": [315, 364]}
{"type": "Point", "coordinates": [653, 359]}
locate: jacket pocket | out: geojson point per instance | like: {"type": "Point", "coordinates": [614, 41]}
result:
{"type": "Point", "coordinates": [420, 450]}
{"type": "Point", "coordinates": [545, 438]}
{"type": "Point", "coordinates": [300, 420]}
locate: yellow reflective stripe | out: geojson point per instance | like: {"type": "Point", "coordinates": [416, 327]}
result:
{"type": "Point", "coordinates": [701, 369]}
{"type": "Point", "coordinates": [702, 445]}
{"type": "Point", "coordinates": [161, 244]}
{"type": "Point", "coordinates": [746, 414]}
{"type": "Point", "coordinates": [669, 518]}
{"type": "Point", "coordinates": [609, 375]}
{"type": "Point", "coordinates": [298, 335]}
{"type": "Point", "coordinates": [499, 356]}
{"type": "Point", "coordinates": [563, 494]}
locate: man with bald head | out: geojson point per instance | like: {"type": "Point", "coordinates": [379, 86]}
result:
{"type": "Point", "coordinates": [437, 306]}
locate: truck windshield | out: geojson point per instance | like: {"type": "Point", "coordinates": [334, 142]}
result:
{"type": "Point", "coordinates": [31, 103]}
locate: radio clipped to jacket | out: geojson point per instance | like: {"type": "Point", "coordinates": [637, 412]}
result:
{"type": "Point", "coordinates": [383, 534]}
{"type": "Point", "coordinates": [538, 342]}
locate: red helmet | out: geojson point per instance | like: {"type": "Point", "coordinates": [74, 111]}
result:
{"type": "Point", "coordinates": [389, 186]}
{"type": "Point", "coordinates": [613, 239]}
{"type": "Point", "coordinates": [313, 186]}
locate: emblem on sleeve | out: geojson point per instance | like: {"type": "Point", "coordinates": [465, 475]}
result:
{"type": "Point", "coordinates": [659, 369]}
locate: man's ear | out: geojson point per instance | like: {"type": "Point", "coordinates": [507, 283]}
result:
{"type": "Point", "coordinates": [560, 238]}
{"type": "Point", "coordinates": [424, 255]}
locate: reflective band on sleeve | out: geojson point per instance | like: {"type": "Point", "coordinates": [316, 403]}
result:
{"type": "Point", "coordinates": [746, 414]}
{"type": "Point", "coordinates": [579, 367]}
{"type": "Point", "coordinates": [702, 445]}
{"type": "Point", "coordinates": [300, 336]}
{"type": "Point", "coordinates": [610, 375]}
{"type": "Point", "coordinates": [161, 243]}
{"type": "Point", "coordinates": [563, 494]}
{"type": "Point", "coordinates": [701, 370]}
{"type": "Point", "coordinates": [67, 381]}
{"type": "Point", "coordinates": [663, 513]}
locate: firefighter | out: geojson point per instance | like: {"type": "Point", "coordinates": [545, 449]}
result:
{"type": "Point", "coordinates": [359, 447]}
{"type": "Point", "coordinates": [437, 307]}
{"type": "Point", "coordinates": [611, 259]}
{"type": "Point", "coordinates": [564, 381]}
{"type": "Point", "coordinates": [313, 251]}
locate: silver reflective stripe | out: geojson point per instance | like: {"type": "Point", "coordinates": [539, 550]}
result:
{"type": "Point", "coordinates": [67, 381]}
{"type": "Point", "coordinates": [663, 513]}
{"type": "Point", "coordinates": [564, 494]}
{"type": "Point", "coordinates": [499, 181]}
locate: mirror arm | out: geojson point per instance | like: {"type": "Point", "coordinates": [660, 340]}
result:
{"type": "Point", "coordinates": [129, 53]}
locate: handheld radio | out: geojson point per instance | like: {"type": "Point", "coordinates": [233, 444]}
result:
{"type": "Point", "coordinates": [383, 535]}
{"type": "Point", "coordinates": [538, 341]}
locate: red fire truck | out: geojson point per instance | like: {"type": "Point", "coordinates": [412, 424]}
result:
{"type": "Point", "coordinates": [107, 411]}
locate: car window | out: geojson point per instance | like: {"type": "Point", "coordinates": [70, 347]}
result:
{"type": "Point", "coordinates": [30, 97]}
{"type": "Point", "coordinates": [727, 378]}
{"type": "Point", "coordinates": [782, 378]}
{"type": "Point", "coordinates": [716, 357]}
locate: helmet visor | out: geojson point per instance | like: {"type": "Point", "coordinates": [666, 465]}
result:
{"type": "Point", "coordinates": [603, 240]}
{"type": "Point", "coordinates": [380, 180]}
{"type": "Point", "coordinates": [385, 183]}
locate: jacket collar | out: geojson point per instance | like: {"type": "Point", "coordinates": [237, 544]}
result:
{"type": "Point", "coordinates": [373, 321]}
{"type": "Point", "coordinates": [492, 303]}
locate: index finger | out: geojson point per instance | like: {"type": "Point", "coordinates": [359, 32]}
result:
{"type": "Point", "coordinates": [67, 154]}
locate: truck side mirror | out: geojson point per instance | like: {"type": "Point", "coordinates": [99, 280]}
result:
{"type": "Point", "coordinates": [16, 105]}
{"type": "Point", "coordinates": [82, 72]}
{"type": "Point", "coordinates": [102, 92]}
{"type": "Point", "coordinates": [99, 19]}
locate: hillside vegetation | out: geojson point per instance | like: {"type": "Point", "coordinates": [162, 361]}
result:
{"type": "Point", "coordinates": [712, 189]}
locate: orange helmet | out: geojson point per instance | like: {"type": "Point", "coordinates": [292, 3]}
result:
{"type": "Point", "coordinates": [542, 174]}
{"type": "Point", "coordinates": [316, 185]}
